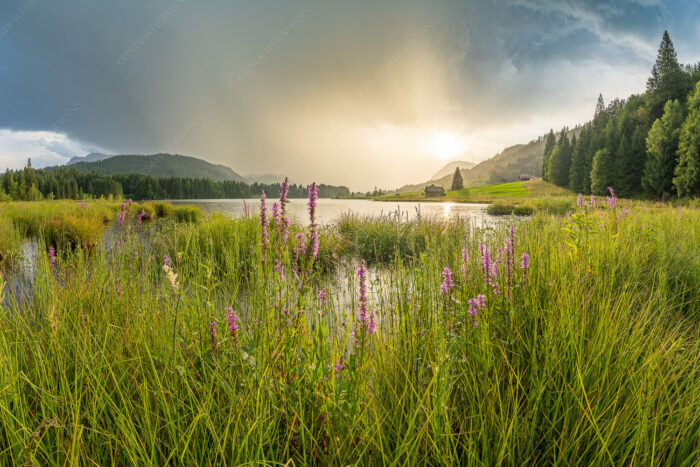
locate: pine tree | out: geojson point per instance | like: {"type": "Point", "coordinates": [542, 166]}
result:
{"type": "Point", "coordinates": [549, 143]}
{"type": "Point", "coordinates": [457, 182]}
{"type": "Point", "coordinates": [560, 162]}
{"type": "Point", "coordinates": [668, 81]}
{"type": "Point", "coordinates": [600, 106]}
{"type": "Point", "coordinates": [662, 145]}
{"type": "Point", "coordinates": [577, 173]}
{"type": "Point", "coordinates": [602, 172]}
{"type": "Point", "coordinates": [687, 172]}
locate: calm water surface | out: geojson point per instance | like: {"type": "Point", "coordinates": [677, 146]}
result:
{"type": "Point", "coordinates": [328, 210]}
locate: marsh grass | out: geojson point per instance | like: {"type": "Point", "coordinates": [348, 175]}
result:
{"type": "Point", "coordinates": [590, 360]}
{"type": "Point", "coordinates": [162, 208]}
{"type": "Point", "coordinates": [185, 213]}
{"type": "Point", "coordinates": [381, 239]}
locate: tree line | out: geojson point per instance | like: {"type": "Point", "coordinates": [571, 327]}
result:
{"type": "Point", "coordinates": [647, 145]}
{"type": "Point", "coordinates": [32, 184]}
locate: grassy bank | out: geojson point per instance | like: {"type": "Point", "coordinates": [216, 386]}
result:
{"type": "Point", "coordinates": [528, 196]}
{"type": "Point", "coordinates": [68, 225]}
{"type": "Point", "coordinates": [585, 353]}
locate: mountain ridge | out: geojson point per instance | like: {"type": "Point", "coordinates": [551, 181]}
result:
{"type": "Point", "coordinates": [159, 165]}
{"type": "Point", "coordinates": [450, 167]}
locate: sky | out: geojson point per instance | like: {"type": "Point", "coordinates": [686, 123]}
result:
{"type": "Point", "coordinates": [361, 93]}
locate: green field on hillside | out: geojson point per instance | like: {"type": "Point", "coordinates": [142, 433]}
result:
{"type": "Point", "coordinates": [523, 197]}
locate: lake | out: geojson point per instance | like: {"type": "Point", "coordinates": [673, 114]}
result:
{"type": "Point", "coordinates": [328, 210]}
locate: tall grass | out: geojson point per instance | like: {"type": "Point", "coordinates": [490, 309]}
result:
{"type": "Point", "coordinates": [589, 359]}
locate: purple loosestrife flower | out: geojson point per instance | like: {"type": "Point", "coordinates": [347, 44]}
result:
{"type": "Point", "coordinates": [119, 292]}
{"type": "Point", "coordinates": [121, 218]}
{"type": "Point", "coordinates": [525, 265]}
{"type": "Point", "coordinates": [475, 304]}
{"type": "Point", "coordinates": [315, 243]}
{"type": "Point", "coordinates": [313, 228]}
{"type": "Point", "coordinates": [280, 269]}
{"type": "Point", "coordinates": [302, 246]}
{"type": "Point", "coordinates": [283, 209]}
{"type": "Point", "coordinates": [465, 258]}
{"type": "Point", "coordinates": [52, 256]}
{"type": "Point", "coordinates": [313, 198]}
{"type": "Point", "coordinates": [130, 203]}
{"type": "Point", "coordinates": [485, 262]}
{"type": "Point", "coordinates": [365, 317]}
{"type": "Point", "coordinates": [232, 319]}
{"type": "Point", "coordinates": [323, 297]}
{"type": "Point", "coordinates": [166, 261]}
{"type": "Point", "coordinates": [276, 214]}
{"type": "Point", "coordinates": [579, 200]}
{"type": "Point", "coordinates": [212, 332]}
{"type": "Point", "coordinates": [285, 229]}
{"type": "Point", "coordinates": [447, 283]}
{"type": "Point", "coordinates": [264, 222]}
{"type": "Point", "coordinates": [494, 277]}
{"type": "Point", "coordinates": [612, 199]}
{"type": "Point", "coordinates": [140, 217]}
{"type": "Point", "coordinates": [592, 202]}
{"type": "Point", "coordinates": [339, 367]}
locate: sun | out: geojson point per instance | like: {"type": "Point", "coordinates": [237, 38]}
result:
{"type": "Point", "coordinates": [446, 145]}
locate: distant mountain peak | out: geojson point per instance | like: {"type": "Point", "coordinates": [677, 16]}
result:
{"type": "Point", "coordinates": [450, 167]}
{"type": "Point", "coordinates": [92, 157]}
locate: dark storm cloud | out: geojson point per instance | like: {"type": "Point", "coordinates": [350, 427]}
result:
{"type": "Point", "coordinates": [318, 89]}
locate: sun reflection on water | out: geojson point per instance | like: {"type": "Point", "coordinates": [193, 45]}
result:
{"type": "Point", "coordinates": [446, 208]}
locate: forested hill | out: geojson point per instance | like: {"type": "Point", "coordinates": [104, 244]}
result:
{"type": "Point", "coordinates": [159, 166]}
{"type": "Point", "coordinates": [647, 145]}
{"type": "Point", "coordinates": [66, 182]}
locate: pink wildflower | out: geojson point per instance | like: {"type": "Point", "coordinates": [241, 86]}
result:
{"type": "Point", "coordinates": [323, 297]}
{"type": "Point", "coordinates": [339, 366]}
{"type": "Point", "coordinates": [447, 283]}
{"type": "Point", "coordinates": [525, 265]}
{"type": "Point", "coordinates": [232, 319]}
{"type": "Point", "coordinates": [475, 304]}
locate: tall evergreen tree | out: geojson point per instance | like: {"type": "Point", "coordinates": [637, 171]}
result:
{"type": "Point", "coordinates": [577, 173]}
{"type": "Point", "coordinates": [668, 81]}
{"type": "Point", "coordinates": [457, 182]}
{"type": "Point", "coordinates": [549, 143]}
{"type": "Point", "coordinates": [600, 106]}
{"type": "Point", "coordinates": [662, 145]}
{"type": "Point", "coordinates": [602, 171]}
{"type": "Point", "coordinates": [560, 162]}
{"type": "Point", "coordinates": [687, 172]}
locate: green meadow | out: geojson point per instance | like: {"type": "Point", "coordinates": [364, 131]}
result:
{"type": "Point", "coordinates": [192, 339]}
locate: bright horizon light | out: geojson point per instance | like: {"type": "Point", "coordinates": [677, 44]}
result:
{"type": "Point", "coordinates": [446, 145]}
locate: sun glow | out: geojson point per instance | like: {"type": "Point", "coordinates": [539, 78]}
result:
{"type": "Point", "coordinates": [446, 145]}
